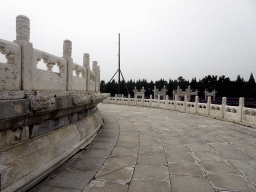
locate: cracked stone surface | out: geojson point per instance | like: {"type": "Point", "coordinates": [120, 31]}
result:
{"type": "Point", "coordinates": [146, 149]}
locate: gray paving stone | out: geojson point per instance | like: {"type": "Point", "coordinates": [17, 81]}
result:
{"type": "Point", "coordinates": [94, 152]}
{"type": "Point", "coordinates": [152, 159]}
{"type": "Point", "coordinates": [103, 145]}
{"type": "Point", "coordinates": [250, 175]}
{"type": "Point", "coordinates": [237, 154]}
{"type": "Point", "coordinates": [189, 169]}
{"type": "Point", "coordinates": [149, 186]}
{"type": "Point", "coordinates": [127, 144]}
{"type": "Point", "coordinates": [148, 137]}
{"type": "Point", "coordinates": [107, 139]}
{"type": "Point", "coordinates": [230, 182]}
{"type": "Point", "coordinates": [190, 184]}
{"type": "Point", "coordinates": [219, 167]}
{"type": "Point", "coordinates": [172, 142]}
{"type": "Point", "coordinates": [177, 148]}
{"type": "Point", "coordinates": [184, 157]}
{"type": "Point", "coordinates": [122, 175]}
{"type": "Point", "coordinates": [129, 138]}
{"type": "Point", "coordinates": [72, 179]}
{"type": "Point", "coordinates": [88, 164]}
{"type": "Point", "coordinates": [196, 147]}
{"type": "Point", "coordinates": [56, 189]}
{"type": "Point", "coordinates": [248, 165]}
{"type": "Point", "coordinates": [194, 141]}
{"type": "Point", "coordinates": [122, 161]}
{"type": "Point", "coordinates": [146, 149]}
{"type": "Point", "coordinates": [223, 147]}
{"type": "Point", "coordinates": [155, 143]}
{"type": "Point", "coordinates": [208, 156]}
{"type": "Point", "coordinates": [146, 172]}
{"type": "Point", "coordinates": [119, 151]}
{"type": "Point", "coordinates": [105, 186]}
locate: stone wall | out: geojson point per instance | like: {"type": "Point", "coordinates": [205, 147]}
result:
{"type": "Point", "coordinates": [237, 114]}
{"type": "Point", "coordinates": [45, 116]}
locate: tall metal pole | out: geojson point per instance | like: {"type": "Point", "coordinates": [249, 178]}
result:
{"type": "Point", "coordinates": [119, 65]}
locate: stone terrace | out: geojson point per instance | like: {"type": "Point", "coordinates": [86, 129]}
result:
{"type": "Point", "coordinates": [146, 149]}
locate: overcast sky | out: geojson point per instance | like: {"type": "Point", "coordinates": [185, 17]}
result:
{"type": "Point", "coordinates": [159, 39]}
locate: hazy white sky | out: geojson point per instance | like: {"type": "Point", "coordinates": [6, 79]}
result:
{"type": "Point", "coordinates": [159, 38]}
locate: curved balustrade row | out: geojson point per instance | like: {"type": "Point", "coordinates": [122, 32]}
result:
{"type": "Point", "coordinates": [237, 114]}
{"type": "Point", "coordinates": [21, 71]}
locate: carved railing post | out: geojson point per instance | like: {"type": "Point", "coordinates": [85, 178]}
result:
{"type": "Point", "coordinates": [166, 101]}
{"type": "Point", "coordinates": [185, 101]}
{"type": "Point", "coordinates": [240, 108]}
{"type": "Point", "coordinates": [224, 103]}
{"type": "Point", "coordinates": [86, 63]}
{"type": "Point", "coordinates": [196, 103]}
{"type": "Point", "coordinates": [158, 101]}
{"type": "Point", "coordinates": [22, 38]}
{"type": "Point", "coordinates": [175, 101]}
{"type": "Point", "coordinates": [67, 51]}
{"type": "Point", "coordinates": [208, 106]}
{"type": "Point", "coordinates": [150, 101]}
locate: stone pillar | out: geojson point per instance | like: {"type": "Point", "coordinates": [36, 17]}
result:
{"type": "Point", "coordinates": [22, 38]}
{"type": "Point", "coordinates": [86, 64]}
{"type": "Point", "coordinates": [122, 99]}
{"type": "Point", "coordinates": [240, 108]}
{"type": "Point", "coordinates": [224, 103]}
{"type": "Point", "coordinates": [166, 101]}
{"type": "Point", "coordinates": [129, 99]}
{"type": "Point", "coordinates": [150, 101]}
{"type": "Point", "coordinates": [67, 51]}
{"type": "Point", "coordinates": [196, 103]}
{"type": "Point", "coordinates": [175, 101]}
{"type": "Point", "coordinates": [208, 106]}
{"type": "Point", "coordinates": [94, 69]}
{"type": "Point", "coordinates": [158, 101]}
{"type": "Point", "coordinates": [116, 98]}
{"type": "Point", "coordinates": [135, 99]}
{"type": "Point", "coordinates": [185, 102]}
{"type": "Point", "coordinates": [143, 100]}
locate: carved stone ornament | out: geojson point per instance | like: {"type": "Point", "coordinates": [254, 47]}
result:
{"type": "Point", "coordinates": [22, 28]}
{"type": "Point", "coordinates": [41, 103]}
{"type": "Point", "coordinates": [81, 99]}
{"type": "Point", "coordinates": [97, 98]}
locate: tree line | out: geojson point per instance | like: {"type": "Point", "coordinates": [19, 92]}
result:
{"type": "Point", "coordinates": [223, 85]}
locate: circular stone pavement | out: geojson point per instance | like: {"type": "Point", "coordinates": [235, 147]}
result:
{"type": "Point", "coordinates": [146, 149]}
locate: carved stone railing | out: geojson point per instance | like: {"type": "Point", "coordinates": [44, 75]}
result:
{"type": "Point", "coordinates": [237, 114]}
{"type": "Point", "coordinates": [45, 116]}
{"type": "Point", "coordinates": [21, 72]}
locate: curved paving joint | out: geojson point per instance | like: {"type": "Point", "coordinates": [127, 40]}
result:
{"type": "Point", "coordinates": [142, 149]}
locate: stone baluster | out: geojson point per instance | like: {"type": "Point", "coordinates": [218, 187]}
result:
{"type": "Point", "coordinates": [240, 108]}
{"type": "Point", "coordinates": [86, 64]}
{"type": "Point", "coordinates": [150, 101]}
{"type": "Point", "coordinates": [224, 103]}
{"type": "Point", "coordinates": [22, 38]}
{"type": "Point", "coordinates": [135, 99]}
{"type": "Point", "coordinates": [175, 101]}
{"type": "Point", "coordinates": [166, 101]}
{"type": "Point", "coordinates": [129, 99]}
{"type": "Point", "coordinates": [116, 98]}
{"type": "Point", "coordinates": [158, 101]}
{"type": "Point", "coordinates": [94, 69]}
{"type": "Point", "coordinates": [143, 100]}
{"type": "Point", "coordinates": [67, 52]}
{"type": "Point", "coordinates": [196, 103]}
{"type": "Point", "coordinates": [208, 105]}
{"type": "Point", "coordinates": [185, 101]}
